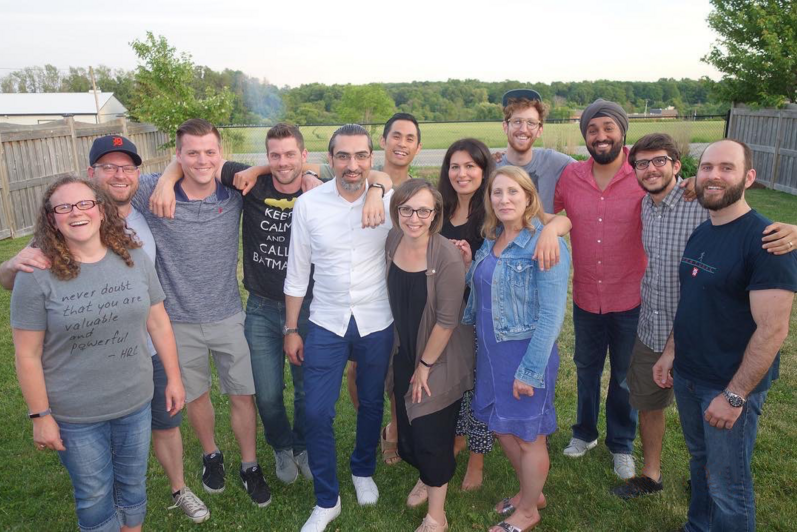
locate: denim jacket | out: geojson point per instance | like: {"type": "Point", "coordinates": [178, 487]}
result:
{"type": "Point", "coordinates": [526, 302]}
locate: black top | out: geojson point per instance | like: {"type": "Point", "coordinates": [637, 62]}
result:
{"type": "Point", "coordinates": [460, 232]}
{"type": "Point", "coordinates": [721, 265]}
{"type": "Point", "coordinates": [267, 215]}
{"type": "Point", "coordinates": [407, 291]}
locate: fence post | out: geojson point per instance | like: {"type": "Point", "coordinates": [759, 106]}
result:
{"type": "Point", "coordinates": [728, 122]}
{"type": "Point", "coordinates": [123, 122]}
{"type": "Point", "coordinates": [778, 141]}
{"type": "Point", "coordinates": [70, 121]}
{"type": "Point", "coordinates": [5, 191]}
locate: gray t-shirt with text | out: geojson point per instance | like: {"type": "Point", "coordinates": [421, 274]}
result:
{"type": "Point", "coordinates": [95, 358]}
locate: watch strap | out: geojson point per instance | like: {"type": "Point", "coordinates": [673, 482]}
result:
{"type": "Point", "coordinates": [40, 414]}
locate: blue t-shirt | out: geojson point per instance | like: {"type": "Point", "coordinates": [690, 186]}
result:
{"type": "Point", "coordinates": [713, 325]}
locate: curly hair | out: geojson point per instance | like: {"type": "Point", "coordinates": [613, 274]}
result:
{"type": "Point", "coordinates": [114, 233]}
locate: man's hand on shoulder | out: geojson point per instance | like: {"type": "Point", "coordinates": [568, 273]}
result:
{"type": "Point", "coordinates": [688, 185]}
{"type": "Point", "coordinates": [245, 180]}
{"type": "Point", "coordinates": [780, 238]}
{"type": "Point", "coordinates": [25, 261]}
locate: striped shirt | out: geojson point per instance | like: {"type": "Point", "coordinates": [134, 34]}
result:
{"type": "Point", "coordinates": [666, 227]}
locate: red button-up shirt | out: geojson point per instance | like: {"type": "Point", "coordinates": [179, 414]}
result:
{"type": "Point", "coordinates": [608, 258]}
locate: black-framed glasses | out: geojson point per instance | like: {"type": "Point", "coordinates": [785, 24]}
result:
{"type": "Point", "coordinates": [658, 162]}
{"type": "Point", "coordinates": [516, 123]}
{"type": "Point", "coordinates": [66, 208]}
{"type": "Point", "coordinates": [111, 169]}
{"type": "Point", "coordinates": [346, 157]}
{"type": "Point", "coordinates": [422, 213]}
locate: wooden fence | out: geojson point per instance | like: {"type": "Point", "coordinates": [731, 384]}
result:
{"type": "Point", "coordinates": [772, 135]}
{"type": "Point", "coordinates": [32, 157]}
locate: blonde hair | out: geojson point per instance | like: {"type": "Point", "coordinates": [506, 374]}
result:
{"type": "Point", "coordinates": [533, 209]}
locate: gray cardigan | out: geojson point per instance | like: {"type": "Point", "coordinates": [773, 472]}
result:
{"type": "Point", "coordinates": [452, 374]}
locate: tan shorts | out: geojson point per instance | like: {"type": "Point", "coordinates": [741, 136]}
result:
{"type": "Point", "coordinates": [645, 393]}
{"type": "Point", "coordinates": [226, 342]}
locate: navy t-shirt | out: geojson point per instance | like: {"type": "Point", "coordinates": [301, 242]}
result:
{"type": "Point", "coordinates": [266, 233]}
{"type": "Point", "coordinates": [713, 325]}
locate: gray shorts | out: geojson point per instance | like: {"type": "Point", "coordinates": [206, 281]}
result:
{"type": "Point", "coordinates": [224, 340]}
{"type": "Point", "coordinates": [161, 420]}
{"type": "Point", "coordinates": [645, 393]}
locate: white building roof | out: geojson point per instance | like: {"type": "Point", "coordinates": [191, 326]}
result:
{"type": "Point", "coordinates": [52, 103]}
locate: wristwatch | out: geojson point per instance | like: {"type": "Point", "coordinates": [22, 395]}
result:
{"type": "Point", "coordinates": [736, 401]}
{"type": "Point", "coordinates": [40, 414]}
{"type": "Point", "coordinates": [310, 172]}
{"type": "Point", "coordinates": [286, 331]}
{"type": "Point", "coordinates": [380, 187]}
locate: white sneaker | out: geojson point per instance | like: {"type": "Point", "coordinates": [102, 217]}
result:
{"type": "Point", "coordinates": [367, 492]}
{"type": "Point", "coordinates": [577, 448]}
{"type": "Point", "coordinates": [624, 465]}
{"type": "Point", "coordinates": [321, 517]}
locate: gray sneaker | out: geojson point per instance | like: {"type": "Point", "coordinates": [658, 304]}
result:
{"type": "Point", "coordinates": [304, 465]}
{"type": "Point", "coordinates": [191, 505]}
{"type": "Point", "coordinates": [287, 471]}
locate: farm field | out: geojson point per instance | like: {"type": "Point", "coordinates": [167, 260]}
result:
{"type": "Point", "coordinates": [564, 137]}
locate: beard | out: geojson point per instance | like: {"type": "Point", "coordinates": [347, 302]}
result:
{"type": "Point", "coordinates": [661, 188]}
{"type": "Point", "coordinates": [609, 156]}
{"type": "Point", "coordinates": [351, 186]}
{"type": "Point", "coordinates": [732, 194]}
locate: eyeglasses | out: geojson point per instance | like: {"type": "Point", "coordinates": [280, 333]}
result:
{"type": "Point", "coordinates": [346, 157]}
{"type": "Point", "coordinates": [422, 213]}
{"type": "Point", "coordinates": [111, 169]}
{"type": "Point", "coordinates": [517, 123]}
{"type": "Point", "coordinates": [66, 208]}
{"type": "Point", "coordinates": [658, 162]}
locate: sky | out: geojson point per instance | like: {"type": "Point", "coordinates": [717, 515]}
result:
{"type": "Point", "coordinates": [295, 42]}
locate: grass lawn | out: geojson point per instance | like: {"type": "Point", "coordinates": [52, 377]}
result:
{"type": "Point", "coordinates": [442, 135]}
{"type": "Point", "coordinates": [35, 492]}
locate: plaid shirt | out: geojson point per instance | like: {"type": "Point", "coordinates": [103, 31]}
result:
{"type": "Point", "coordinates": [665, 230]}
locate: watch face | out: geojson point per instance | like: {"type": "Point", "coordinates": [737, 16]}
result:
{"type": "Point", "coordinates": [734, 400]}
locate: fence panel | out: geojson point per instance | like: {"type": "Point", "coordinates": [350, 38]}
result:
{"type": "Point", "coordinates": [772, 135]}
{"type": "Point", "coordinates": [32, 157]}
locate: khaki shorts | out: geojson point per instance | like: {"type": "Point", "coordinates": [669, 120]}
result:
{"type": "Point", "coordinates": [226, 342]}
{"type": "Point", "coordinates": [645, 393]}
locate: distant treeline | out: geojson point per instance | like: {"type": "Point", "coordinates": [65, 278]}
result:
{"type": "Point", "coordinates": [259, 102]}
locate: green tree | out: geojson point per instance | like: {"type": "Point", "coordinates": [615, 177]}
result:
{"type": "Point", "coordinates": [164, 94]}
{"type": "Point", "coordinates": [365, 103]}
{"type": "Point", "coordinates": [757, 50]}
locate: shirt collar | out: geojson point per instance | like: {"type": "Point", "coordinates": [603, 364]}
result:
{"type": "Point", "coordinates": [220, 194]}
{"type": "Point", "coordinates": [672, 199]}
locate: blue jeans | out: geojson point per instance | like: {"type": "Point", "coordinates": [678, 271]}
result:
{"type": "Point", "coordinates": [325, 357]}
{"type": "Point", "coordinates": [263, 330]}
{"type": "Point", "coordinates": [722, 486]}
{"type": "Point", "coordinates": [107, 462]}
{"type": "Point", "coordinates": [594, 334]}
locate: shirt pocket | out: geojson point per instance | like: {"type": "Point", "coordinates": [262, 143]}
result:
{"type": "Point", "coordinates": [521, 294]}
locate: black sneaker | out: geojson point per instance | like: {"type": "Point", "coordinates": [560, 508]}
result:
{"type": "Point", "coordinates": [637, 486]}
{"type": "Point", "coordinates": [213, 473]}
{"type": "Point", "coordinates": [255, 485]}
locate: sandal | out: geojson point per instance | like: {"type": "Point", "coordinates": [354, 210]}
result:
{"type": "Point", "coordinates": [389, 449]}
{"type": "Point", "coordinates": [507, 508]}
{"type": "Point", "coordinates": [506, 527]}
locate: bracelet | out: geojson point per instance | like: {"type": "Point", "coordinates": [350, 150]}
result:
{"type": "Point", "coordinates": [425, 364]}
{"type": "Point", "coordinates": [40, 414]}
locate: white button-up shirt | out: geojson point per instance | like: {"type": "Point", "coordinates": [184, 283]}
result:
{"type": "Point", "coordinates": [349, 261]}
